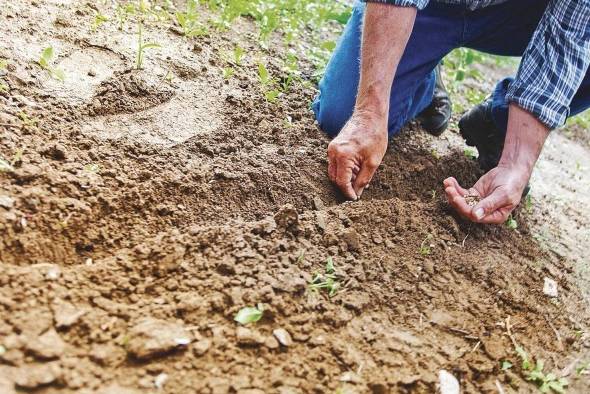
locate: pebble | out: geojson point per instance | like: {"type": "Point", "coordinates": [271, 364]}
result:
{"type": "Point", "coordinates": [33, 376]}
{"type": "Point", "coordinates": [47, 346]}
{"type": "Point", "coordinates": [151, 337]}
{"type": "Point", "coordinates": [6, 202]}
{"type": "Point", "coordinates": [283, 336]}
{"type": "Point", "coordinates": [448, 383]}
{"type": "Point", "coordinates": [66, 314]}
{"type": "Point", "coordinates": [550, 287]}
{"type": "Point", "coordinates": [201, 347]}
{"type": "Point", "coordinates": [271, 342]}
{"type": "Point", "coordinates": [247, 337]}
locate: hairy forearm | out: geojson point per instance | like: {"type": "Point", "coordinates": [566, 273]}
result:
{"type": "Point", "coordinates": [525, 137]}
{"type": "Point", "coordinates": [386, 31]}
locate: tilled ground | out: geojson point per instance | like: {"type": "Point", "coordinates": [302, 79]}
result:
{"type": "Point", "coordinates": [144, 213]}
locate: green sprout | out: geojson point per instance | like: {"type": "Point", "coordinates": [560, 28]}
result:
{"type": "Point", "coordinates": [228, 72]}
{"type": "Point", "coordinates": [45, 62]}
{"type": "Point", "coordinates": [99, 19]}
{"type": "Point", "coordinates": [189, 22]}
{"type": "Point", "coordinates": [3, 66]}
{"type": "Point", "coordinates": [506, 365]}
{"type": "Point", "coordinates": [329, 280]}
{"type": "Point", "coordinates": [263, 75]}
{"type": "Point", "coordinates": [583, 368]}
{"type": "Point", "coordinates": [511, 223]}
{"type": "Point", "coordinates": [238, 54]}
{"type": "Point", "coordinates": [533, 372]}
{"type": "Point", "coordinates": [249, 315]}
{"type": "Point", "coordinates": [426, 246]}
{"type": "Point", "coordinates": [141, 46]}
{"type": "Point", "coordinates": [470, 153]}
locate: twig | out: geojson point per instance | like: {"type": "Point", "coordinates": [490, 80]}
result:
{"type": "Point", "coordinates": [499, 387]}
{"type": "Point", "coordinates": [476, 346]}
{"type": "Point", "coordinates": [11, 125]}
{"type": "Point", "coordinates": [555, 331]}
{"type": "Point", "coordinates": [508, 326]}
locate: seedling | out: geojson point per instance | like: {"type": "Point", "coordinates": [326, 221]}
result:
{"type": "Point", "coordinates": [228, 72]}
{"type": "Point", "coordinates": [271, 95]}
{"type": "Point", "coordinates": [329, 280]}
{"type": "Point", "coordinates": [583, 368]}
{"type": "Point", "coordinates": [534, 373]}
{"type": "Point", "coordinates": [45, 62]}
{"type": "Point", "coordinates": [470, 153]}
{"type": "Point", "coordinates": [99, 19]}
{"type": "Point", "coordinates": [249, 315]}
{"type": "Point", "coordinates": [27, 120]}
{"type": "Point", "coordinates": [141, 46]}
{"type": "Point", "coordinates": [426, 246]}
{"type": "Point", "coordinates": [511, 223]}
{"type": "Point", "coordinates": [123, 12]}
{"type": "Point", "coordinates": [528, 203]}
{"type": "Point", "coordinates": [238, 55]}
{"type": "Point", "coordinates": [506, 365]}
{"type": "Point", "coordinates": [189, 22]}
{"type": "Point", "coordinates": [3, 85]}
{"type": "Point", "coordinates": [263, 75]}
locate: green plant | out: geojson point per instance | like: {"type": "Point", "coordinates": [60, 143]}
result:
{"type": "Point", "coordinates": [533, 372]}
{"type": "Point", "coordinates": [511, 223]}
{"type": "Point", "coordinates": [263, 75]}
{"type": "Point", "coordinates": [249, 315]}
{"type": "Point", "coordinates": [426, 246]}
{"type": "Point", "coordinates": [328, 280]}
{"type": "Point", "coordinates": [99, 19]}
{"type": "Point", "coordinates": [470, 153]}
{"type": "Point", "coordinates": [505, 365]}
{"type": "Point", "coordinates": [238, 55]}
{"type": "Point", "coordinates": [189, 22]}
{"type": "Point", "coordinates": [27, 120]}
{"type": "Point", "coordinates": [271, 95]}
{"type": "Point", "coordinates": [123, 11]}
{"type": "Point", "coordinates": [45, 62]}
{"type": "Point", "coordinates": [528, 203]}
{"type": "Point", "coordinates": [228, 72]}
{"type": "Point", "coordinates": [3, 66]}
{"type": "Point", "coordinates": [141, 46]}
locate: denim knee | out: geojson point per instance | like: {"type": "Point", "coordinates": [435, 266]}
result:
{"type": "Point", "coordinates": [330, 116]}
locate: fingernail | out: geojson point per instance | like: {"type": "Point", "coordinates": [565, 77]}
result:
{"type": "Point", "coordinates": [479, 213]}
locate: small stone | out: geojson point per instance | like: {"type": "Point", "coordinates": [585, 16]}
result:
{"type": "Point", "coordinates": [318, 204]}
{"type": "Point", "coordinates": [107, 354]}
{"type": "Point", "coordinates": [160, 380]}
{"type": "Point", "coordinates": [66, 314]}
{"type": "Point", "coordinates": [152, 337]}
{"type": "Point", "coordinates": [47, 346]}
{"type": "Point", "coordinates": [91, 73]}
{"type": "Point", "coordinates": [33, 376]}
{"type": "Point", "coordinates": [352, 239]}
{"type": "Point", "coordinates": [53, 272]}
{"type": "Point", "coordinates": [448, 384]}
{"type": "Point", "coordinates": [247, 337]}
{"type": "Point", "coordinates": [6, 202]}
{"type": "Point", "coordinates": [271, 342]}
{"type": "Point", "coordinates": [201, 347]}
{"type": "Point", "coordinates": [283, 336]}
{"type": "Point", "coordinates": [550, 287]}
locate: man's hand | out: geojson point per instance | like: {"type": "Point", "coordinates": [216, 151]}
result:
{"type": "Point", "coordinates": [501, 188]}
{"type": "Point", "coordinates": [355, 154]}
{"type": "Point", "coordinates": [357, 151]}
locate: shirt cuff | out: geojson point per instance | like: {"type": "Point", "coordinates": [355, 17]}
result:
{"type": "Point", "coordinates": [420, 4]}
{"type": "Point", "coordinates": [549, 111]}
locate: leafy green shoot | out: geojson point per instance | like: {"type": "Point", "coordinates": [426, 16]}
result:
{"type": "Point", "coordinates": [426, 246]}
{"type": "Point", "coordinates": [46, 63]}
{"type": "Point", "coordinates": [228, 72]}
{"type": "Point", "coordinates": [329, 280]}
{"type": "Point", "coordinates": [546, 382]}
{"type": "Point", "coordinates": [511, 223]}
{"type": "Point", "coordinates": [249, 315]}
{"type": "Point", "coordinates": [141, 46]}
{"type": "Point", "coordinates": [470, 153]}
{"type": "Point", "coordinates": [99, 19]}
{"type": "Point", "coordinates": [263, 75]}
{"type": "Point", "coordinates": [189, 21]}
{"type": "Point", "coordinates": [238, 55]}
{"type": "Point", "coordinates": [583, 368]}
{"type": "Point", "coordinates": [505, 365]}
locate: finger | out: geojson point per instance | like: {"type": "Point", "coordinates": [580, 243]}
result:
{"type": "Point", "coordinates": [344, 180]}
{"type": "Point", "coordinates": [490, 206]}
{"type": "Point", "coordinates": [457, 201]}
{"type": "Point", "coordinates": [332, 168]}
{"type": "Point", "coordinates": [453, 183]}
{"type": "Point", "coordinates": [498, 217]}
{"type": "Point", "coordinates": [364, 176]}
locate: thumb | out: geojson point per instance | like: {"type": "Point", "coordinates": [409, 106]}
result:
{"type": "Point", "coordinates": [364, 176]}
{"type": "Point", "coordinates": [489, 206]}
{"type": "Point", "coordinates": [343, 181]}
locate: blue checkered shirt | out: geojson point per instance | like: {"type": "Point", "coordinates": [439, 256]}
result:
{"type": "Point", "coordinates": [555, 61]}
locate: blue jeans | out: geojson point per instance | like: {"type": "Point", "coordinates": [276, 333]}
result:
{"type": "Point", "coordinates": [504, 29]}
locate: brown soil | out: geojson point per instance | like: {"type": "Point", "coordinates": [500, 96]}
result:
{"type": "Point", "coordinates": [144, 214]}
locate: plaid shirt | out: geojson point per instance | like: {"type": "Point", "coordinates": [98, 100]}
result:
{"type": "Point", "coordinates": [555, 61]}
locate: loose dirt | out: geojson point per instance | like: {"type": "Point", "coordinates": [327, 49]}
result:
{"type": "Point", "coordinates": [144, 213]}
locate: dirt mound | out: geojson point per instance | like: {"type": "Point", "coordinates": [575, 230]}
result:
{"type": "Point", "coordinates": [128, 92]}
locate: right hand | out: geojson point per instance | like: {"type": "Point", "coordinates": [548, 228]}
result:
{"type": "Point", "coordinates": [355, 154]}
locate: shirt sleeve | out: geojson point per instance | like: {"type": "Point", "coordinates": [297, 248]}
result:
{"type": "Point", "coordinates": [554, 63]}
{"type": "Point", "coordinates": [420, 4]}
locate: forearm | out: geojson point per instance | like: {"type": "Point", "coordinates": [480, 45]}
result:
{"type": "Point", "coordinates": [386, 31]}
{"type": "Point", "coordinates": [525, 137]}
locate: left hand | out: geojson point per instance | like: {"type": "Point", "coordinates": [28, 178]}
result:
{"type": "Point", "coordinates": [500, 191]}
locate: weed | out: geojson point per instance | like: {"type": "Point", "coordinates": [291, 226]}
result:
{"type": "Point", "coordinates": [45, 62]}
{"type": "Point", "coordinates": [249, 315]}
{"type": "Point", "coordinates": [263, 75]}
{"type": "Point", "coordinates": [329, 280]}
{"type": "Point", "coordinates": [141, 46]}
{"type": "Point", "coordinates": [511, 223]}
{"type": "Point", "coordinates": [470, 153]}
{"type": "Point", "coordinates": [189, 22]}
{"type": "Point", "coordinates": [583, 368]}
{"type": "Point", "coordinates": [528, 203]}
{"type": "Point", "coordinates": [426, 246]}
{"type": "Point", "coordinates": [27, 120]}
{"type": "Point", "coordinates": [534, 373]}
{"type": "Point", "coordinates": [228, 72]}
{"type": "Point", "coordinates": [123, 11]}
{"type": "Point", "coordinates": [271, 95]}
{"type": "Point", "coordinates": [238, 54]}
{"type": "Point", "coordinates": [99, 19]}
